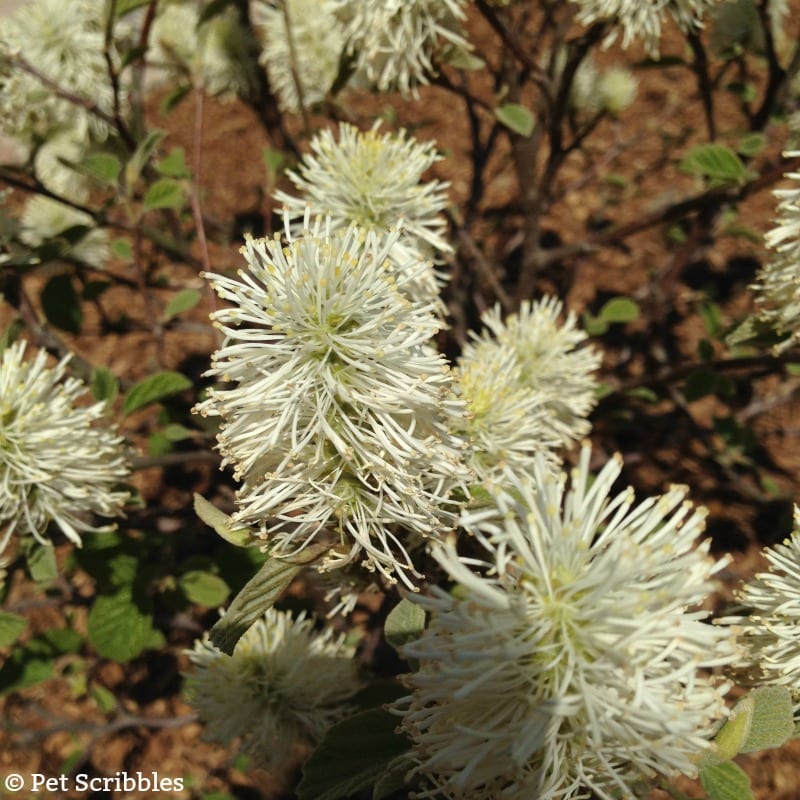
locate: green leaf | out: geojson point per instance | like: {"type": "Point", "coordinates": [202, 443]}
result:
{"type": "Point", "coordinates": [274, 161]}
{"type": "Point", "coordinates": [119, 629]}
{"type": "Point", "coordinates": [715, 161]}
{"type": "Point", "coordinates": [733, 734]}
{"type": "Point", "coordinates": [204, 588]}
{"type": "Point", "coordinates": [726, 781]}
{"type": "Point", "coordinates": [182, 301]}
{"type": "Point", "coordinates": [353, 755]}
{"type": "Point", "coordinates": [175, 97]}
{"type": "Point", "coordinates": [516, 118]}
{"type": "Point", "coordinates": [771, 723]}
{"type": "Point", "coordinates": [393, 780]}
{"type": "Point", "coordinates": [220, 522]}
{"type": "Point", "coordinates": [105, 167]}
{"type": "Point", "coordinates": [61, 304]}
{"type": "Point", "coordinates": [751, 144]}
{"type": "Point", "coordinates": [104, 384]}
{"type": "Point", "coordinates": [11, 626]}
{"type": "Point", "coordinates": [11, 332]}
{"type": "Point", "coordinates": [25, 667]}
{"type": "Point", "coordinates": [42, 562]}
{"type": "Point", "coordinates": [406, 622]}
{"type": "Point", "coordinates": [700, 383]}
{"type": "Point", "coordinates": [461, 58]}
{"type": "Point", "coordinates": [643, 393]}
{"type": "Point", "coordinates": [142, 154]}
{"type": "Point", "coordinates": [174, 164]}
{"type": "Point", "coordinates": [257, 595]}
{"type": "Point", "coordinates": [619, 309]}
{"type": "Point", "coordinates": [155, 388]}
{"type": "Point", "coordinates": [121, 248]}
{"type": "Point", "coordinates": [104, 698]}
{"type": "Point", "coordinates": [164, 193]}
{"type": "Point", "coordinates": [124, 7]}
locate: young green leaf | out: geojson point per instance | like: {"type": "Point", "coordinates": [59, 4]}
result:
{"type": "Point", "coordinates": [771, 723]}
{"type": "Point", "coordinates": [220, 522]}
{"type": "Point", "coordinates": [105, 167]}
{"type": "Point", "coordinates": [204, 588]}
{"type": "Point", "coordinates": [104, 384]}
{"type": "Point", "coordinates": [715, 161]}
{"type": "Point", "coordinates": [406, 621]}
{"type": "Point", "coordinates": [119, 629]}
{"type": "Point", "coordinates": [11, 626]}
{"type": "Point", "coordinates": [260, 593]}
{"type": "Point", "coordinates": [516, 118]}
{"type": "Point", "coordinates": [164, 193]}
{"type": "Point", "coordinates": [184, 300]}
{"type": "Point", "coordinates": [154, 388]}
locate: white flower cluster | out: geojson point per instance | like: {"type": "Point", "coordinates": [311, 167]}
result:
{"type": "Point", "coordinates": [301, 58]}
{"type": "Point", "coordinates": [337, 420]}
{"type": "Point", "coordinates": [65, 43]}
{"type": "Point", "coordinates": [642, 19]}
{"type": "Point", "coordinates": [778, 287]}
{"type": "Point", "coordinates": [282, 688]}
{"type": "Point", "coordinates": [566, 663]}
{"type": "Point", "coordinates": [216, 53]}
{"type": "Point", "coordinates": [55, 464]}
{"type": "Point", "coordinates": [375, 181]}
{"type": "Point", "coordinates": [393, 41]}
{"type": "Point", "coordinates": [770, 630]}
{"type": "Point", "coordinates": [386, 44]}
{"type": "Point", "coordinates": [528, 387]}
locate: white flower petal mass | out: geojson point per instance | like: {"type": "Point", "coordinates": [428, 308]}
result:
{"type": "Point", "coordinates": [394, 41]}
{"type": "Point", "coordinates": [307, 53]}
{"type": "Point", "coordinates": [551, 363]}
{"type": "Point", "coordinates": [337, 420]}
{"type": "Point", "coordinates": [65, 43]}
{"type": "Point", "coordinates": [570, 660]}
{"type": "Point", "coordinates": [778, 286]}
{"type": "Point", "coordinates": [642, 19]}
{"type": "Point", "coordinates": [771, 629]}
{"type": "Point", "coordinates": [282, 688]}
{"type": "Point", "coordinates": [55, 463]}
{"type": "Point", "coordinates": [374, 180]}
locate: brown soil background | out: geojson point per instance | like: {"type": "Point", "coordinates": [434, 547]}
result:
{"type": "Point", "coordinates": [57, 725]}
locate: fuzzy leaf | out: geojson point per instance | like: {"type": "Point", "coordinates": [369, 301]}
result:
{"type": "Point", "coordinates": [772, 723]}
{"type": "Point", "coordinates": [726, 781]}
{"type": "Point", "coordinates": [220, 522]}
{"type": "Point", "coordinates": [354, 755]}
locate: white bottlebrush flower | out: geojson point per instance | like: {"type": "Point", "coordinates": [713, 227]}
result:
{"type": "Point", "coordinates": [642, 19]}
{"type": "Point", "coordinates": [570, 661]}
{"type": "Point", "coordinates": [64, 41]}
{"type": "Point", "coordinates": [308, 53]}
{"type": "Point", "coordinates": [55, 463]}
{"type": "Point", "coordinates": [771, 631]}
{"type": "Point", "coordinates": [217, 54]}
{"type": "Point", "coordinates": [551, 362]}
{"type": "Point", "coordinates": [282, 688]}
{"type": "Point", "coordinates": [394, 41]}
{"type": "Point", "coordinates": [336, 419]}
{"type": "Point", "coordinates": [507, 420]}
{"type": "Point", "coordinates": [375, 181]}
{"type": "Point", "coordinates": [44, 219]}
{"type": "Point", "coordinates": [778, 286]}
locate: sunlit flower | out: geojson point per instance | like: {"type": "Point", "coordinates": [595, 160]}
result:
{"type": "Point", "coordinates": [616, 88]}
{"type": "Point", "coordinates": [52, 161]}
{"type": "Point", "coordinates": [550, 362]}
{"type": "Point", "coordinates": [507, 421]}
{"type": "Point", "coordinates": [282, 688]}
{"type": "Point", "coordinates": [45, 219]}
{"type": "Point", "coordinates": [375, 181]}
{"type": "Point", "coordinates": [771, 630]}
{"type": "Point", "coordinates": [55, 463]}
{"type": "Point", "coordinates": [337, 417]}
{"type": "Point", "coordinates": [567, 663]}
{"type": "Point", "coordinates": [394, 41]}
{"type": "Point", "coordinates": [65, 42]}
{"type": "Point", "coordinates": [642, 19]}
{"type": "Point", "coordinates": [308, 53]}
{"type": "Point", "coordinates": [778, 286]}
{"type": "Point", "coordinates": [217, 53]}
